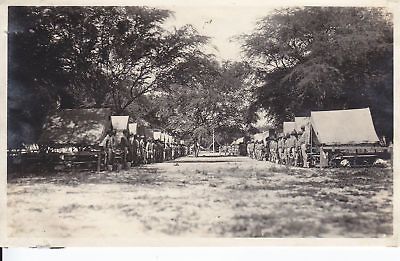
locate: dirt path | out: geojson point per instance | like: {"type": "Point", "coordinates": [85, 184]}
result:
{"type": "Point", "coordinates": [203, 197]}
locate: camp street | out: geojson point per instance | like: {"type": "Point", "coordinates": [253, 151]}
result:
{"type": "Point", "coordinates": [206, 196]}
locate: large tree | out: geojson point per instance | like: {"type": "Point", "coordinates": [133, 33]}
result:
{"type": "Point", "coordinates": [90, 57]}
{"type": "Point", "coordinates": [318, 58]}
{"type": "Point", "coordinates": [207, 98]}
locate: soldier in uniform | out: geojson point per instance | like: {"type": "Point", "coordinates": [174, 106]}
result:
{"type": "Point", "coordinates": [256, 149]}
{"type": "Point", "coordinates": [253, 149]}
{"type": "Point", "coordinates": [124, 147]}
{"type": "Point", "coordinates": [260, 150]}
{"type": "Point", "coordinates": [304, 140]}
{"type": "Point", "coordinates": [157, 151]}
{"type": "Point", "coordinates": [109, 145]}
{"type": "Point", "coordinates": [280, 148]}
{"type": "Point", "coordinates": [149, 151]}
{"type": "Point", "coordinates": [266, 148]}
{"type": "Point", "coordinates": [286, 149]}
{"type": "Point", "coordinates": [274, 150]}
{"type": "Point", "coordinates": [135, 149]}
{"type": "Point", "coordinates": [142, 149]}
{"type": "Point", "coordinates": [196, 148]}
{"type": "Point", "coordinates": [298, 157]}
{"type": "Point", "coordinates": [292, 147]}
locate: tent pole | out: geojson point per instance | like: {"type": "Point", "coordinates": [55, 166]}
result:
{"type": "Point", "coordinates": [213, 140]}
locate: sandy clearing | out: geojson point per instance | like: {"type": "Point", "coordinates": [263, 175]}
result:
{"type": "Point", "coordinates": [203, 197]}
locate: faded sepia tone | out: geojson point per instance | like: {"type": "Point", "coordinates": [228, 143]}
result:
{"type": "Point", "coordinates": [193, 122]}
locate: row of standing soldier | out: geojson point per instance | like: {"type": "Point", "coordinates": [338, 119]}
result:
{"type": "Point", "coordinates": [289, 149]}
{"type": "Point", "coordinates": [133, 150]}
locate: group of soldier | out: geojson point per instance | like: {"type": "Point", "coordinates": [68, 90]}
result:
{"type": "Point", "coordinates": [289, 149]}
{"type": "Point", "coordinates": [133, 150]}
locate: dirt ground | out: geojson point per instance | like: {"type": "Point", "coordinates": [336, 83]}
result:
{"type": "Point", "coordinates": [203, 197]}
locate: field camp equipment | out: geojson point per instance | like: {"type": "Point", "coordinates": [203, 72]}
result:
{"type": "Point", "coordinates": [77, 127]}
{"type": "Point", "coordinates": [344, 137]}
{"type": "Point", "coordinates": [288, 127]}
{"type": "Point", "coordinates": [330, 139]}
{"type": "Point", "coordinates": [76, 138]}
{"type": "Point", "coordinates": [72, 137]}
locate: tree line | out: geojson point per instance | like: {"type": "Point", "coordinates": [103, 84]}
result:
{"type": "Point", "coordinates": [296, 60]}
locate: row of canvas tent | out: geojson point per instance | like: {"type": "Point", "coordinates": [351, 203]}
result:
{"type": "Point", "coordinates": [336, 128]}
{"type": "Point", "coordinates": [88, 127]}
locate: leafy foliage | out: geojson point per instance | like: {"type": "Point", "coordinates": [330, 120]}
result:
{"type": "Point", "coordinates": [317, 58]}
{"type": "Point", "coordinates": [72, 57]}
{"type": "Point", "coordinates": [209, 98]}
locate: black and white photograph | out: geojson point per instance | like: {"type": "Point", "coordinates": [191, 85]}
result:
{"type": "Point", "coordinates": [199, 121]}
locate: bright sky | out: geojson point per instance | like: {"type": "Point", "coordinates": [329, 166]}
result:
{"type": "Point", "coordinates": [219, 23]}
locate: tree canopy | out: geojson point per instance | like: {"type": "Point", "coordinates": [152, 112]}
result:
{"type": "Point", "coordinates": [321, 58]}
{"type": "Point", "coordinates": [71, 57]}
{"type": "Point", "coordinates": [208, 97]}
{"type": "Point", "coordinates": [124, 58]}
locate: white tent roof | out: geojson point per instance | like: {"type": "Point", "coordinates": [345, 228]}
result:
{"type": "Point", "coordinates": [344, 127]}
{"type": "Point", "coordinates": [238, 141]}
{"type": "Point", "coordinates": [119, 122]}
{"type": "Point", "coordinates": [157, 135]}
{"type": "Point", "coordinates": [301, 121]}
{"type": "Point", "coordinates": [288, 127]}
{"type": "Point", "coordinates": [133, 128]}
{"type": "Point", "coordinates": [261, 136]}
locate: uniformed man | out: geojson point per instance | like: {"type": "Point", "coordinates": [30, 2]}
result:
{"type": "Point", "coordinates": [148, 151]}
{"type": "Point", "coordinates": [142, 149]}
{"type": "Point", "coordinates": [292, 148]}
{"type": "Point", "coordinates": [304, 142]}
{"type": "Point", "coordinates": [274, 150]}
{"type": "Point", "coordinates": [124, 147]}
{"type": "Point", "coordinates": [286, 149]}
{"type": "Point", "coordinates": [109, 145]}
{"type": "Point", "coordinates": [196, 148]}
{"type": "Point", "coordinates": [280, 149]}
{"type": "Point", "coordinates": [157, 151]}
{"type": "Point", "coordinates": [266, 148]}
{"type": "Point", "coordinates": [134, 142]}
{"type": "Point", "coordinates": [298, 157]}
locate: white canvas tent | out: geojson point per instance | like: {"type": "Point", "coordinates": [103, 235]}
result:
{"type": "Point", "coordinates": [157, 135]}
{"type": "Point", "coordinates": [133, 129]}
{"type": "Point", "coordinates": [344, 127]}
{"type": "Point", "coordinates": [238, 141]}
{"type": "Point", "coordinates": [119, 122]}
{"type": "Point", "coordinates": [261, 136]}
{"type": "Point", "coordinates": [302, 121]}
{"type": "Point", "coordinates": [288, 127]}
